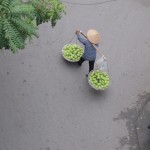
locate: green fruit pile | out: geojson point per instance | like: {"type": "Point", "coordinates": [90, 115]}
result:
{"type": "Point", "coordinates": [99, 80]}
{"type": "Point", "coordinates": [72, 52]}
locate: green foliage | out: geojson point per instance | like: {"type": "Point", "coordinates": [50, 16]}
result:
{"type": "Point", "coordinates": [14, 24]}
{"type": "Point", "coordinates": [19, 21]}
{"type": "Point", "coordinates": [48, 10]}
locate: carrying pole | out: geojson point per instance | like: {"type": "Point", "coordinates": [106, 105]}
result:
{"type": "Point", "coordinates": [94, 45]}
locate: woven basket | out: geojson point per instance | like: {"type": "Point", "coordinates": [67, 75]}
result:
{"type": "Point", "coordinates": [92, 85]}
{"type": "Point", "coordinates": [67, 58]}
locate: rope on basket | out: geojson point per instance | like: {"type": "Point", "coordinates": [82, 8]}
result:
{"type": "Point", "coordinates": [104, 59]}
{"type": "Point", "coordinates": [72, 38]}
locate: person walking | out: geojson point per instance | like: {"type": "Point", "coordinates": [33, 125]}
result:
{"type": "Point", "coordinates": [90, 42]}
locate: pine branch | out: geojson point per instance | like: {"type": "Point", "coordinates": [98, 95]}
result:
{"type": "Point", "coordinates": [24, 10]}
{"type": "Point", "coordinates": [13, 36]}
{"type": "Point", "coordinates": [12, 46]}
{"type": "Point", "coordinates": [28, 28]}
{"type": "Point", "coordinates": [19, 40]}
{"type": "Point", "coordinates": [15, 2]}
{"type": "Point", "coordinates": [5, 3]}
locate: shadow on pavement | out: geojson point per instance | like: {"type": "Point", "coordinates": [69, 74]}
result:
{"type": "Point", "coordinates": [97, 94]}
{"type": "Point", "coordinates": [69, 64]}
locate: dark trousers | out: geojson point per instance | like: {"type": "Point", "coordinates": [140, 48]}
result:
{"type": "Point", "coordinates": [91, 63]}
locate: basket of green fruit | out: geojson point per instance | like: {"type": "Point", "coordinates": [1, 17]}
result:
{"type": "Point", "coordinates": [99, 80]}
{"type": "Point", "coordinates": [72, 52]}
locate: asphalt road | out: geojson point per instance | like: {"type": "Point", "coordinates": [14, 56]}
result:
{"type": "Point", "coordinates": [47, 104]}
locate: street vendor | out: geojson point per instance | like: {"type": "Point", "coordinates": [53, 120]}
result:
{"type": "Point", "coordinates": [90, 42]}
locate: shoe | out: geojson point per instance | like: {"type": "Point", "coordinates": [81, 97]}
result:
{"type": "Point", "coordinates": [79, 63]}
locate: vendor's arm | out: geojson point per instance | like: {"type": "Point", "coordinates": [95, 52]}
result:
{"type": "Point", "coordinates": [80, 38]}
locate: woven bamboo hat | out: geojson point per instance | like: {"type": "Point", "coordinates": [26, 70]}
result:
{"type": "Point", "coordinates": [93, 36]}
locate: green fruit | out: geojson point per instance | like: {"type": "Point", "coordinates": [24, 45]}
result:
{"type": "Point", "coordinates": [99, 80]}
{"type": "Point", "coordinates": [72, 52]}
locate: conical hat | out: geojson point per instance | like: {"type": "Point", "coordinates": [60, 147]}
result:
{"type": "Point", "coordinates": [93, 36]}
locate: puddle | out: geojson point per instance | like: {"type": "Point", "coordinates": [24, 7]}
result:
{"type": "Point", "coordinates": [133, 124]}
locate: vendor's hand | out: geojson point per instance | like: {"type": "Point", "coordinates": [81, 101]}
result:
{"type": "Point", "coordinates": [77, 32]}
